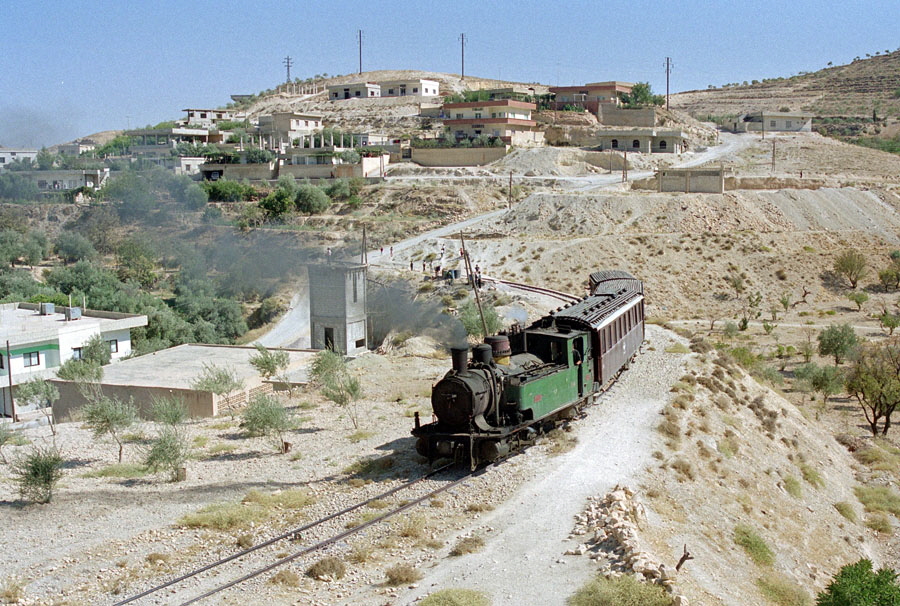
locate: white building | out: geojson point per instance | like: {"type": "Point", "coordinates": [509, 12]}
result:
{"type": "Point", "coordinates": [354, 90]}
{"type": "Point", "coordinates": [206, 118]}
{"type": "Point", "coordinates": [8, 155]}
{"type": "Point", "coordinates": [77, 147]}
{"type": "Point", "coordinates": [402, 88]}
{"type": "Point", "coordinates": [37, 338]}
{"type": "Point", "coordinates": [285, 127]}
{"type": "Point", "coordinates": [768, 121]}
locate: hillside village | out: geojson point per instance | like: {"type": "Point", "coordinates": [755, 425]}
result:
{"type": "Point", "coordinates": [208, 259]}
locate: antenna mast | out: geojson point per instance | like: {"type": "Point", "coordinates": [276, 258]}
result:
{"type": "Point", "coordinates": [359, 37]}
{"type": "Point", "coordinates": [668, 71]}
{"type": "Point", "coordinates": [462, 43]}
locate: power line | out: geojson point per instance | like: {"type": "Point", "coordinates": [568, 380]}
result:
{"type": "Point", "coordinates": [462, 44]}
{"type": "Point", "coordinates": [288, 62]}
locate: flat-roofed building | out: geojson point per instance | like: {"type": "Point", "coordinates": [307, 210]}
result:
{"type": "Point", "coordinates": [8, 155]}
{"type": "Point", "coordinates": [77, 147]}
{"type": "Point", "coordinates": [507, 119]}
{"type": "Point", "coordinates": [287, 126]}
{"type": "Point", "coordinates": [337, 307]}
{"type": "Point", "coordinates": [769, 121]}
{"type": "Point", "coordinates": [206, 118]}
{"type": "Point", "coordinates": [354, 90]}
{"type": "Point", "coordinates": [67, 179]}
{"type": "Point", "coordinates": [402, 88]}
{"type": "Point", "coordinates": [161, 141]}
{"type": "Point", "coordinates": [42, 337]}
{"type": "Point", "coordinates": [172, 372]}
{"type": "Point", "coordinates": [589, 96]}
{"type": "Point", "coordinates": [643, 140]}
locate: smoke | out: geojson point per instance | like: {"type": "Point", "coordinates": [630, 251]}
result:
{"type": "Point", "coordinates": [516, 314]}
{"type": "Point", "coordinates": [34, 128]}
{"type": "Point", "coordinates": [392, 307]}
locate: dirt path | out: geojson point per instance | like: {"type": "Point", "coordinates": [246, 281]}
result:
{"type": "Point", "coordinates": [522, 562]}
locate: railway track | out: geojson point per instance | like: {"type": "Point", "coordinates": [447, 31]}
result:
{"type": "Point", "coordinates": [291, 534]}
{"type": "Point", "coordinates": [556, 294]}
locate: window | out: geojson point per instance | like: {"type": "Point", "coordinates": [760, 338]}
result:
{"type": "Point", "coordinates": [771, 123]}
{"type": "Point", "coordinates": [662, 144]}
{"type": "Point", "coordinates": [459, 116]}
{"type": "Point", "coordinates": [493, 114]}
{"type": "Point", "coordinates": [203, 115]}
{"type": "Point", "coordinates": [2, 160]}
{"type": "Point", "coordinates": [614, 143]}
{"type": "Point", "coordinates": [416, 89]}
{"type": "Point", "coordinates": [355, 294]}
{"type": "Point", "coordinates": [76, 353]}
{"type": "Point", "coordinates": [788, 124]}
{"type": "Point", "coordinates": [477, 115]}
{"type": "Point", "coordinates": [113, 345]}
{"type": "Point", "coordinates": [1, 361]}
{"type": "Point", "coordinates": [360, 342]}
{"type": "Point", "coordinates": [390, 91]}
{"type": "Point", "coordinates": [357, 93]}
{"type": "Point", "coordinates": [636, 144]}
{"type": "Point", "coordinates": [32, 358]}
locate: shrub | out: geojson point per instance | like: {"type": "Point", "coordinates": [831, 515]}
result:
{"type": "Point", "coordinates": [109, 416]}
{"type": "Point", "coordinates": [811, 475]}
{"type": "Point", "coordinates": [857, 585]}
{"type": "Point", "coordinates": [792, 487]}
{"type": "Point", "coordinates": [859, 298]}
{"type": "Point", "coordinates": [402, 574]}
{"type": "Point", "coordinates": [12, 590]}
{"type": "Point", "coordinates": [622, 591]}
{"type": "Point", "coordinates": [80, 371]}
{"type": "Point", "coordinates": [754, 545]}
{"type": "Point", "coordinates": [285, 577]}
{"type": "Point", "coordinates": [838, 340]}
{"type": "Point", "coordinates": [265, 416]}
{"type": "Point", "coordinates": [169, 451]}
{"type": "Point", "coordinates": [851, 264]}
{"type": "Point", "coordinates": [37, 474]}
{"type": "Point", "coordinates": [456, 597]}
{"type": "Point", "coordinates": [329, 567]}
{"type": "Point", "coordinates": [467, 545]}
{"type": "Point", "coordinates": [169, 411]}
{"type": "Point", "coordinates": [311, 200]}
{"type": "Point", "coordinates": [846, 509]}
{"type": "Point", "coordinates": [879, 522]}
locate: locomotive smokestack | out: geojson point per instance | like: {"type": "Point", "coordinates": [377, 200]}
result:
{"type": "Point", "coordinates": [460, 357]}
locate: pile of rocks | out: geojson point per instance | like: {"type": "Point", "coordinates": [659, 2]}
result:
{"type": "Point", "coordinates": [612, 522]}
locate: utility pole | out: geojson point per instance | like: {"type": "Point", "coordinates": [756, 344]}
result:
{"type": "Point", "coordinates": [625, 167]}
{"type": "Point", "coordinates": [509, 192]}
{"type": "Point", "coordinates": [462, 44]}
{"type": "Point", "coordinates": [288, 62]}
{"type": "Point", "coordinates": [668, 71]}
{"type": "Point", "coordinates": [773, 156]}
{"type": "Point", "coordinates": [359, 36]}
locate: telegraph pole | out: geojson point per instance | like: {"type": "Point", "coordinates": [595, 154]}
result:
{"type": "Point", "coordinates": [288, 62]}
{"type": "Point", "coordinates": [462, 44]}
{"type": "Point", "coordinates": [668, 71]}
{"type": "Point", "coordinates": [773, 156]}
{"type": "Point", "coordinates": [359, 36]}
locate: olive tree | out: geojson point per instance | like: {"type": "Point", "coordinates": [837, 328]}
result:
{"type": "Point", "coordinates": [269, 363]}
{"type": "Point", "coordinates": [851, 264]}
{"type": "Point", "coordinates": [838, 340]}
{"type": "Point", "coordinates": [265, 416]}
{"type": "Point", "coordinates": [329, 370]}
{"type": "Point", "coordinates": [41, 394]}
{"type": "Point", "coordinates": [824, 380]}
{"type": "Point", "coordinates": [218, 380]}
{"type": "Point", "coordinates": [859, 298]}
{"type": "Point", "coordinates": [874, 380]}
{"type": "Point", "coordinates": [37, 473]}
{"type": "Point", "coordinates": [169, 451]}
{"type": "Point", "coordinates": [105, 415]}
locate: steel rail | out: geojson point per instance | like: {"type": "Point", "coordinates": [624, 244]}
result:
{"type": "Point", "coordinates": [280, 537]}
{"type": "Point", "coordinates": [562, 296]}
{"type": "Point", "coordinates": [334, 539]}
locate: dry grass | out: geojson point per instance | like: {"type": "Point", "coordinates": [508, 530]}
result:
{"type": "Point", "coordinates": [224, 516]}
{"type": "Point", "coordinates": [881, 456]}
{"type": "Point", "coordinates": [378, 504]}
{"type": "Point", "coordinates": [792, 487]}
{"type": "Point", "coordinates": [678, 348]}
{"type": "Point", "coordinates": [244, 541]}
{"type": "Point", "coordinates": [560, 442]}
{"type": "Point", "coordinates": [359, 436]}
{"type": "Point", "coordinates": [880, 522]}
{"type": "Point", "coordinates": [728, 447]}
{"type": "Point", "coordinates": [286, 499]}
{"type": "Point", "coordinates": [158, 558]}
{"type": "Point", "coordinates": [811, 475]}
{"type": "Point", "coordinates": [780, 590]}
{"type": "Point", "coordinates": [456, 597]}
{"type": "Point", "coordinates": [119, 470]}
{"type": "Point", "coordinates": [221, 448]}
{"type": "Point", "coordinates": [754, 545]}
{"type": "Point", "coordinates": [479, 507]}
{"type": "Point", "coordinates": [878, 498]}
{"type": "Point", "coordinates": [329, 567]}
{"type": "Point", "coordinates": [12, 591]}
{"type": "Point", "coordinates": [684, 468]}
{"type": "Point", "coordinates": [846, 509]}
{"type": "Point", "coordinates": [369, 467]}
{"type": "Point", "coordinates": [412, 527]}
{"type": "Point", "coordinates": [467, 545]}
{"type": "Point", "coordinates": [622, 591]}
{"type": "Point", "coordinates": [288, 578]}
{"type": "Point", "coordinates": [360, 554]}
{"type": "Point", "coordinates": [402, 574]}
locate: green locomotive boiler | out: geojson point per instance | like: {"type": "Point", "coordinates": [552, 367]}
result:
{"type": "Point", "coordinates": [517, 385]}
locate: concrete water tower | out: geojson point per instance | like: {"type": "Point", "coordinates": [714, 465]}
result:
{"type": "Point", "coordinates": [337, 307]}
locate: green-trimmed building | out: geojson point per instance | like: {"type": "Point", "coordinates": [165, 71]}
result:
{"type": "Point", "coordinates": [35, 339]}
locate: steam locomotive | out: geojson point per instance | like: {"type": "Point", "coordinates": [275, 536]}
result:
{"type": "Point", "coordinates": [517, 385]}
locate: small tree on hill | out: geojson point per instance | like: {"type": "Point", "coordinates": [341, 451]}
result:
{"type": "Point", "coordinates": [859, 298]}
{"type": "Point", "coordinates": [169, 451]}
{"type": "Point", "coordinates": [874, 380]}
{"type": "Point", "coordinates": [96, 350]}
{"type": "Point", "coordinates": [269, 363]}
{"type": "Point", "coordinates": [858, 585]}
{"type": "Point", "coordinates": [838, 340]}
{"type": "Point", "coordinates": [265, 416]}
{"type": "Point", "coordinates": [41, 394]}
{"type": "Point", "coordinates": [824, 380]}
{"type": "Point", "coordinates": [329, 370]}
{"type": "Point", "coordinates": [37, 474]}
{"type": "Point", "coordinates": [851, 264]}
{"type": "Point", "coordinates": [111, 416]}
{"type": "Point", "coordinates": [218, 380]}
{"type": "Point", "coordinates": [471, 319]}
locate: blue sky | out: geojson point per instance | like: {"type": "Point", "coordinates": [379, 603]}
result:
{"type": "Point", "coordinates": [71, 68]}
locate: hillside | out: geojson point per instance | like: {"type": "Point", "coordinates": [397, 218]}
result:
{"type": "Point", "coordinates": [843, 90]}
